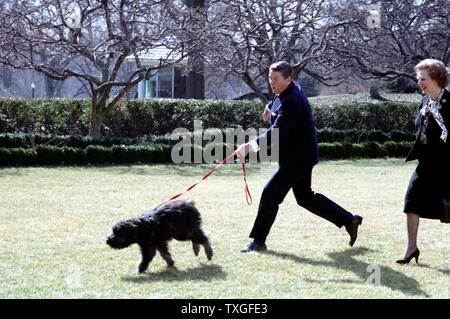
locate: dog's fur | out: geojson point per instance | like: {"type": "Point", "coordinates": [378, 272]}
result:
{"type": "Point", "coordinates": [177, 219]}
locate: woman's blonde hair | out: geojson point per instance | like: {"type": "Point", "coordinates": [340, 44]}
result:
{"type": "Point", "coordinates": [436, 70]}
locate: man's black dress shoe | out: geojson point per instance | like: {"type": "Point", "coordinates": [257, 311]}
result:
{"type": "Point", "coordinates": [254, 247]}
{"type": "Point", "coordinates": [352, 228]}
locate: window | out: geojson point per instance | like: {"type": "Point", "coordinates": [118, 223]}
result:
{"type": "Point", "coordinates": [166, 82]}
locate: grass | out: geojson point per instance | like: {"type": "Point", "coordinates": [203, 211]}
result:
{"type": "Point", "coordinates": [55, 222]}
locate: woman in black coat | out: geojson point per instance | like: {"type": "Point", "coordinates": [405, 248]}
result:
{"type": "Point", "coordinates": [430, 182]}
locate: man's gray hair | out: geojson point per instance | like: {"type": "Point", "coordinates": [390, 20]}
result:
{"type": "Point", "coordinates": [283, 67]}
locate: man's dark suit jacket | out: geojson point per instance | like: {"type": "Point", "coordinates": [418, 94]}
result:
{"type": "Point", "coordinates": [297, 134]}
{"type": "Point", "coordinates": [436, 149]}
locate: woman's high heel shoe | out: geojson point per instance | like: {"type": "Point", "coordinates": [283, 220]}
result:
{"type": "Point", "coordinates": [406, 260]}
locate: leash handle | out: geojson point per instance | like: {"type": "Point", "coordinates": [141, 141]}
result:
{"type": "Point", "coordinates": [248, 196]}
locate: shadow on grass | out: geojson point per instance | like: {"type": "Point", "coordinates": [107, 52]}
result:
{"type": "Point", "coordinates": [346, 260]}
{"type": "Point", "coordinates": [444, 271]}
{"type": "Point", "coordinates": [11, 171]}
{"type": "Point", "coordinates": [184, 169]}
{"type": "Point", "coordinates": [195, 170]}
{"type": "Point", "coordinates": [365, 162]}
{"type": "Point", "coordinates": [162, 169]}
{"type": "Point", "coordinates": [202, 273]}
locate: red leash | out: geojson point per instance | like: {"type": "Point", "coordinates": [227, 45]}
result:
{"type": "Point", "coordinates": [246, 189]}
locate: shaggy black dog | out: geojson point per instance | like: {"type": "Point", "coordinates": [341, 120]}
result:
{"type": "Point", "coordinates": [177, 219]}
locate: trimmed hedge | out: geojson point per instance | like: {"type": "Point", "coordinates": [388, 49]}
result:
{"type": "Point", "coordinates": [53, 155]}
{"type": "Point", "coordinates": [17, 157]}
{"type": "Point", "coordinates": [385, 116]}
{"type": "Point", "coordinates": [21, 140]}
{"type": "Point", "coordinates": [132, 118]}
{"type": "Point", "coordinates": [363, 136]}
{"type": "Point", "coordinates": [364, 150]}
{"type": "Point", "coordinates": [120, 154]}
{"type": "Point", "coordinates": [55, 116]}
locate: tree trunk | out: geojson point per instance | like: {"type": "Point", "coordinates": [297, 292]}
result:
{"type": "Point", "coordinates": [50, 86]}
{"type": "Point", "coordinates": [98, 111]}
{"type": "Point", "coordinates": [252, 85]}
{"type": "Point", "coordinates": [195, 86]}
{"type": "Point", "coordinates": [195, 82]}
{"type": "Point", "coordinates": [6, 76]}
{"type": "Point", "coordinates": [375, 93]}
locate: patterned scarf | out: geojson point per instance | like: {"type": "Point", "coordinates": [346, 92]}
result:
{"type": "Point", "coordinates": [432, 108]}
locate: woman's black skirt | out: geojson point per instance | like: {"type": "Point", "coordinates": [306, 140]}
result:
{"type": "Point", "coordinates": [428, 185]}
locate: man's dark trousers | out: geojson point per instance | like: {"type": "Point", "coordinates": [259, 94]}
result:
{"type": "Point", "coordinates": [299, 179]}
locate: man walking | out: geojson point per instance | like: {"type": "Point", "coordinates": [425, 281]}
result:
{"type": "Point", "coordinates": [291, 115]}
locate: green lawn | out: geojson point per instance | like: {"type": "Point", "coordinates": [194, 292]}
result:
{"type": "Point", "coordinates": [54, 222]}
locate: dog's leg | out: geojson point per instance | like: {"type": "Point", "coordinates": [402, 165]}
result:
{"type": "Point", "coordinates": [195, 247]}
{"type": "Point", "coordinates": [165, 254]}
{"type": "Point", "coordinates": [208, 249]}
{"type": "Point", "coordinates": [147, 255]}
{"type": "Point", "coordinates": [200, 238]}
